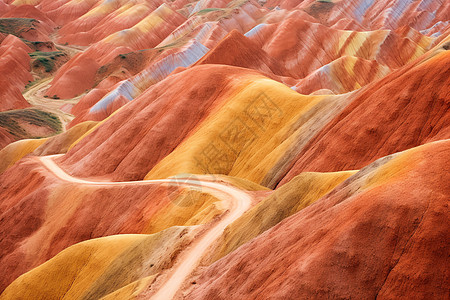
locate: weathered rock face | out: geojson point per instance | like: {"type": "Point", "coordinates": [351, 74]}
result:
{"type": "Point", "coordinates": [224, 149]}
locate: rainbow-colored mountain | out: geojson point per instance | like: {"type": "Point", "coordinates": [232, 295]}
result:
{"type": "Point", "coordinates": [209, 149]}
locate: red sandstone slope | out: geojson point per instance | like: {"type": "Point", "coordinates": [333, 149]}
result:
{"type": "Point", "coordinates": [405, 109]}
{"type": "Point", "coordinates": [128, 76]}
{"type": "Point", "coordinates": [147, 129]}
{"type": "Point", "coordinates": [109, 17]}
{"type": "Point", "coordinates": [26, 28]}
{"type": "Point", "coordinates": [34, 227]}
{"type": "Point", "coordinates": [30, 11]}
{"type": "Point", "coordinates": [303, 47]}
{"type": "Point", "coordinates": [343, 75]}
{"type": "Point", "coordinates": [370, 15]}
{"type": "Point", "coordinates": [64, 11]}
{"type": "Point", "coordinates": [78, 74]}
{"type": "Point", "coordinates": [382, 233]}
{"type": "Point", "coordinates": [5, 138]}
{"type": "Point", "coordinates": [237, 50]}
{"type": "Point", "coordinates": [15, 70]}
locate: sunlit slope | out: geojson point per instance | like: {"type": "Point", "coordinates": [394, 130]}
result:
{"type": "Point", "coordinates": [57, 144]}
{"type": "Point", "coordinates": [253, 129]}
{"type": "Point", "coordinates": [162, 117]}
{"type": "Point", "coordinates": [79, 73]}
{"type": "Point", "coordinates": [245, 137]}
{"type": "Point", "coordinates": [28, 124]}
{"type": "Point", "coordinates": [15, 69]}
{"type": "Point", "coordinates": [369, 15]}
{"type": "Point", "coordinates": [299, 193]}
{"type": "Point", "coordinates": [15, 151]}
{"type": "Point", "coordinates": [237, 50]}
{"type": "Point", "coordinates": [405, 109]}
{"type": "Point", "coordinates": [342, 75]}
{"type": "Point", "coordinates": [105, 19]}
{"type": "Point", "coordinates": [380, 233]}
{"type": "Point", "coordinates": [295, 111]}
{"type": "Point", "coordinates": [97, 267]}
{"type": "Point", "coordinates": [60, 143]}
{"type": "Point", "coordinates": [44, 215]}
{"type": "Point", "coordinates": [303, 46]}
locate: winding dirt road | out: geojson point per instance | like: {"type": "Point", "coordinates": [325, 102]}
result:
{"type": "Point", "coordinates": [238, 203]}
{"type": "Point", "coordinates": [35, 96]}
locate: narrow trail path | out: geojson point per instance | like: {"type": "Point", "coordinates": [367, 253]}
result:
{"type": "Point", "coordinates": [35, 96]}
{"type": "Point", "coordinates": [238, 203]}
